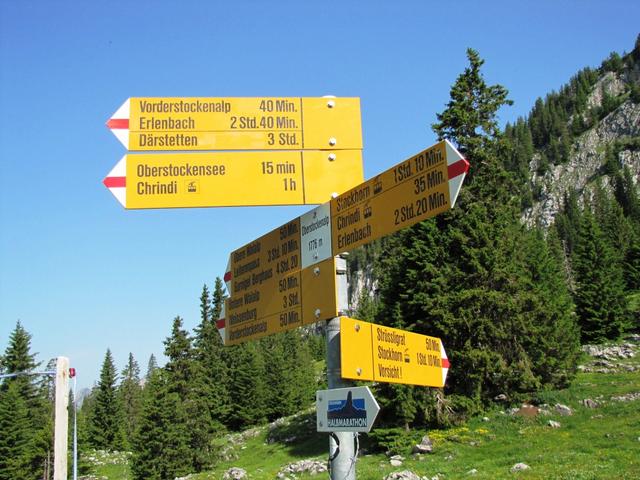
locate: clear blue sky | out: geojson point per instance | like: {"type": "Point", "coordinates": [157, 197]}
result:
{"type": "Point", "coordinates": [81, 273]}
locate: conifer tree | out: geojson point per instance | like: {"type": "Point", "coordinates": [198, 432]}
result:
{"type": "Point", "coordinates": [599, 297]}
{"type": "Point", "coordinates": [464, 277]}
{"type": "Point", "coordinates": [567, 222]}
{"type": "Point", "coordinates": [632, 264]}
{"type": "Point", "coordinates": [28, 432]}
{"type": "Point", "coordinates": [470, 119]}
{"type": "Point", "coordinates": [130, 397]}
{"type": "Point", "coordinates": [247, 385]}
{"type": "Point", "coordinates": [16, 439]}
{"type": "Point", "coordinates": [105, 421]}
{"type": "Point", "coordinates": [152, 366]}
{"type": "Point", "coordinates": [179, 366]}
{"type": "Point", "coordinates": [185, 378]}
{"type": "Point", "coordinates": [209, 351]}
{"type": "Point", "coordinates": [160, 445]}
{"type": "Point", "coordinates": [290, 378]}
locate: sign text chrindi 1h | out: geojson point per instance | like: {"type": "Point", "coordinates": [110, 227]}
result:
{"type": "Point", "coordinates": [226, 179]}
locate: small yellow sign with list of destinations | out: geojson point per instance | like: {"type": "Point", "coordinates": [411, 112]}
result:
{"type": "Point", "coordinates": [270, 290]}
{"type": "Point", "coordinates": [410, 192]}
{"type": "Point", "coordinates": [384, 354]}
{"type": "Point", "coordinates": [214, 179]}
{"type": "Point", "coordinates": [238, 123]}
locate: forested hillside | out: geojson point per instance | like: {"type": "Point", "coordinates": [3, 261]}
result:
{"type": "Point", "coordinates": [513, 279]}
{"type": "Point", "coordinates": [540, 254]}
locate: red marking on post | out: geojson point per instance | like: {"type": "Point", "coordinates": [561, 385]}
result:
{"type": "Point", "coordinates": [220, 323]}
{"type": "Point", "coordinates": [118, 123]}
{"type": "Point", "coordinates": [458, 168]}
{"type": "Point", "coordinates": [445, 363]}
{"type": "Point", "coordinates": [114, 182]}
{"type": "Point", "coordinates": [227, 276]}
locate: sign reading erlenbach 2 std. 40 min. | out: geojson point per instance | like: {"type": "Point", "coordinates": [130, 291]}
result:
{"type": "Point", "coordinates": [238, 123]}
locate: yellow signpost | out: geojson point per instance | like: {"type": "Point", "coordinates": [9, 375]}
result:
{"type": "Point", "coordinates": [174, 180]}
{"type": "Point", "coordinates": [260, 123]}
{"type": "Point", "coordinates": [270, 290]}
{"type": "Point", "coordinates": [385, 354]}
{"type": "Point", "coordinates": [408, 193]}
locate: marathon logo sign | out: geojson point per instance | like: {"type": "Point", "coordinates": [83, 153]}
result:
{"type": "Point", "coordinates": [349, 412]}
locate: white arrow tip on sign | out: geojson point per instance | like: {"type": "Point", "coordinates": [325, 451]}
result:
{"type": "Point", "coordinates": [119, 123]}
{"type": "Point", "coordinates": [116, 181]}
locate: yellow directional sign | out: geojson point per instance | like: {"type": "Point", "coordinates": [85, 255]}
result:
{"type": "Point", "coordinates": [233, 178]}
{"type": "Point", "coordinates": [270, 292]}
{"type": "Point", "coordinates": [261, 123]}
{"type": "Point", "coordinates": [384, 354]}
{"type": "Point", "coordinates": [412, 191]}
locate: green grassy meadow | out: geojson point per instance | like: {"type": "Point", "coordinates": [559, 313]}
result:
{"type": "Point", "coordinates": [593, 443]}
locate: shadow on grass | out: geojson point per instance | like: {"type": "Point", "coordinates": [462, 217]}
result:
{"type": "Point", "coordinates": [299, 436]}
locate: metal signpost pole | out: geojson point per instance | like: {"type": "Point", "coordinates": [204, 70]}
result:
{"type": "Point", "coordinates": [342, 449]}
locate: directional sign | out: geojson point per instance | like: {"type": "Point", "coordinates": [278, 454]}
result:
{"type": "Point", "coordinates": [154, 124]}
{"type": "Point", "coordinates": [269, 290]}
{"type": "Point", "coordinates": [216, 179]}
{"type": "Point", "coordinates": [346, 410]}
{"type": "Point", "coordinates": [418, 188]}
{"type": "Point", "coordinates": [385, 354]}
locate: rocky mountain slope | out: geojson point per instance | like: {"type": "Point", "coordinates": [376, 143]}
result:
{"type": "Point", "coordinates": [587, 159]}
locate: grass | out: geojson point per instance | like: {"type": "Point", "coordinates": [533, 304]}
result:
{"type": "Point", "coordinates": [593, 443]}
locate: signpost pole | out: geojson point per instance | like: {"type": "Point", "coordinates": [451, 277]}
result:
{"type": "Point", "coordinates": [342, 449]}
{"type": "Point", "coordinates": [61, 419]}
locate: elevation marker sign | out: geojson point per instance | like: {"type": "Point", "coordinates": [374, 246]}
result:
{"type": "Point", "coordinates": [239, 123]}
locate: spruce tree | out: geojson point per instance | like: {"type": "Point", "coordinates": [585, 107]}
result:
{"type": "Point", "coordinates": [152, 366]}
{"type": "Point", "coordinates": [247, 385]}
{"type": "Point", "coordinates": [180, 360]}
{"type": "Point", "coordinates": [105, 422]}
{"type": "Point", "coordinates": [288, 389]}
{"type": "Point", "coordinates": [465, 277]}
{"type": "Point", "coordinates": [160, 445]}
{"type": "Point", "coordinates": [186, 379]}
{"type": "Point", "coordinates": [470, 119]}
{"type": "Point", "coordinates": [17, 437]}
{"type": "Point", "coordinates": [209, 352]}
{"type": "Point", "coordinates": [599, 297]}
{"type": "Point", "coordinates": [130, 397]}
{"type": "Point", "coordinates": [567, 222]}
{"type": "Point", "coordinates": [27, 441]}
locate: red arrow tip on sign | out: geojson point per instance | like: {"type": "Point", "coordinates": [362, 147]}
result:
{"type": "Point", "coordinates": [115, 182]}
{"type": "Point", "coordinates": [118, 123]}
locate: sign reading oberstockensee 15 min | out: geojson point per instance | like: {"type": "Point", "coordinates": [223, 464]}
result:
{"type": "Point", "coordinates": [216, 179]}
{"type": "Point", "coordinates": [261, 123]}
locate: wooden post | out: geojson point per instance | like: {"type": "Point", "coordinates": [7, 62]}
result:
{"type": "Point", "coordinates": [61, 425]}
